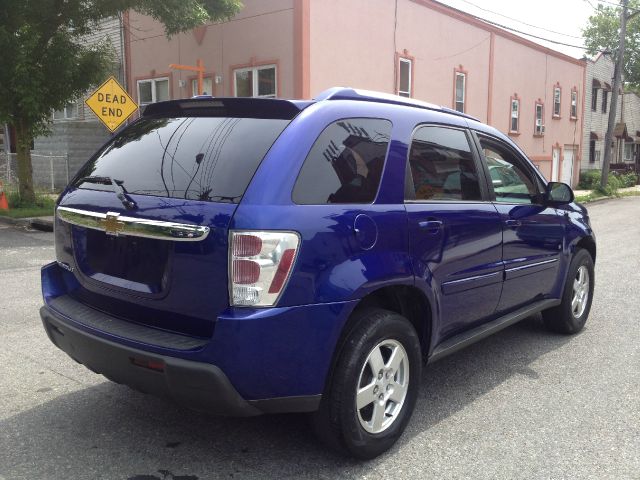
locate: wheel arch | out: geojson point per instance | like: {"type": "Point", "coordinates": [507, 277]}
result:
{"type": "Point", "coordinates": [406, 300]}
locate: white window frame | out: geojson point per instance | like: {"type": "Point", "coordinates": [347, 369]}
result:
{"type": "Point", "coordinates": [573, 107]}
{"type": "Point", "coordinates": [405, 93]}
{"type": "Point", "coordinates": [193, 84]}
{"type": "Point", "coordinates": [557, 102]}
{"type": "Point", "coordinates": [154, 95]}
{"type": "Point", "coordinates": [539, 120]}
{"type": "Point", "coordinates": [515, 101]}
{"type": "Point", "coordinates": [75, 105]}
{"type": "Point", "coordinates": [628, 147]}
{"type": "Point", "coordinates": [254, 87]}
{"type": "Point", "coordinates": [464, 92]}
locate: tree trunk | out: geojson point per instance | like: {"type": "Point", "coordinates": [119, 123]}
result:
{"type": "Point", "coordinates": [25, 170]}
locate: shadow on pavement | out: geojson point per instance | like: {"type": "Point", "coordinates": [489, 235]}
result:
{"type": "Point", "coordinates": [110, 431]}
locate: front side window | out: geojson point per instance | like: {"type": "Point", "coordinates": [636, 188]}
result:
{"type": "Point", "coordinates": [605, 100]}
{"type": "Point", "coordinates": [460, 93]}
{"type": "Point", "coordinates": [515, 116]}
{"type": "Point", "coordinates": [628, 152]}
{"type": "Point", "coordinates": [574, 104]}
{"type": "Point", "coordinates": [442, 166]}
{"type": "Point", "coordinates": [256, 81]}
{"type": "Point", "coordinates": [592, 151]}
{"type": "Point", "coordinates": [594, 99]}
{"type": "Point", "coordinates": [557, 96]}
{"type": "Point", "coordinates": [539, 125]}
{"type": "Point", "coordinates": [345, 163]}
{"type": "Point", "coordinates": [511, 181]}
{"type": "Point", "coordinates": [404, 77]}
{"type": "Point", "coordinates": [153, 90]}
{"type": "Point", "coordinates": [207, 86]}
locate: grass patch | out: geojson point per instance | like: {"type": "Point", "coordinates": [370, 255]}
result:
{"type": "Point", "coordinates": [43, 206]}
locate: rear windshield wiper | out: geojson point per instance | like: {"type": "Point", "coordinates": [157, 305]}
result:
{"type": "Point", "coordinates": [120, 192]}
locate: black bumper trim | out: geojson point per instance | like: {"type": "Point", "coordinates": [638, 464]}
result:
{"type": "Point", "coordinates": [199, 386]}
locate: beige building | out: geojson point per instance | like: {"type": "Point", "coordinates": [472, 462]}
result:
{"type": "Point", "coordinates": [416, 48]}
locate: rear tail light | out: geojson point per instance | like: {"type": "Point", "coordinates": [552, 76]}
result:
{"type": "Point", "coordinates": [260, 264]}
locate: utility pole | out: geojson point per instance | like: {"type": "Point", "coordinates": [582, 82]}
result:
{"type": "Point", "coordinates": [617, 81]}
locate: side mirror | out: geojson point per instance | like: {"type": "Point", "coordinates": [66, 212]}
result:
{"type": "Point", "coordinates": [559, 194]}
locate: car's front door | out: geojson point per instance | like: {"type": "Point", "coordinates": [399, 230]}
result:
{"type": "Point", "coordinates": [532, 233]}
{"type": "Point", "coordinates": [455, 233]}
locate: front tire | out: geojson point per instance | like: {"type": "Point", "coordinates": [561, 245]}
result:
{"type": "Point", "coordinates": [372, 392]}
{"type": "Point", "coordinates": [570, 316]}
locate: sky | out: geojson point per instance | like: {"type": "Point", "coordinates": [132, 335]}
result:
{"type": "Point", "coordinates": [566, 17]}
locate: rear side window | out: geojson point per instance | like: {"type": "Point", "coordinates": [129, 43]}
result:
{"type": "Point", "coordinates": [345, 163]}
{"type": "Point", "coordinates": [442, 166]}
{"type": "Point", "coordinates": [196, 158]}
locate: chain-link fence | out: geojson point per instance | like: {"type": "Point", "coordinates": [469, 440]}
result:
{"type": "Point", "coordinates": [50, 170]}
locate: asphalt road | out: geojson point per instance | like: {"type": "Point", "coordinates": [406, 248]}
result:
{"type": "Point", "coordinates": [523, 404]}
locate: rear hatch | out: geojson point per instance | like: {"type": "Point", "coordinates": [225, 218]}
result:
{"type": "Point", "coordinates": [144, 224]}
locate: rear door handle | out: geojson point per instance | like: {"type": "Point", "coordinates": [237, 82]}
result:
{"type": "Point", "coordinates": [432, 226]}
{"type": "Point", "coordinates": [512, 223]}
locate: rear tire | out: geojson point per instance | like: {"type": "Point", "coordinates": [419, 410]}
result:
{"type": "Point", "coordinates": [570, 316]}
{"type": "Point", "coordinates": [373, 389]}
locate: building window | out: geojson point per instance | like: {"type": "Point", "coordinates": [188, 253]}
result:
{"type": "Point", "coordinates": [153, 90]}
{"type": "Point", "coordinates": [573, 112]}
{"type": "Point", "coordinates": [539, 125]}
{"type": "Point", "coordinates": [256, 81]}
{"type": "Point", "coordinates": [405, 67]}
{"type": "Point", "coordinates": [605, 99]}
{"type": "Point", "coordinates": [594, 99]}
{"type": "Point", "coordinates": [207, 86]}
{"type": "Point", "coordinates": [594, 155]}
{"type": "Point", "coordinates": [628, 152]}
{"type": "Point", "coordinates": [514, 126]}
{"type": "Point", "coordinates": [460, 91]}
{"type": "Point", "coordinates": [557, 97]}
{"type": "Point", "coordinates": [71, 111]}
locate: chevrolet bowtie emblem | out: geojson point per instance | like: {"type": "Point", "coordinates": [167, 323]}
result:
{"type": "Point", "coordinates": [111, 224]}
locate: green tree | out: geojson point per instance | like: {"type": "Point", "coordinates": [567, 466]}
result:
{"type": "Point", "coordinates": [44, 62]}
{"type": "Point", "coordinates": [602, 34]}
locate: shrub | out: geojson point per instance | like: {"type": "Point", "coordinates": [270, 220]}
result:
{"type": "Point", "coordinates": [589, 179]}
{"type": "Point", "coordinates": [42, 200]}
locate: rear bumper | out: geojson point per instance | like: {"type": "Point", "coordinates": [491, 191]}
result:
{"type": "Point", "coordinates": [197, 385]}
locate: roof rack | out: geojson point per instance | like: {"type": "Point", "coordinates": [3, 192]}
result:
{"type": "Point", "coordinates": [346, 93]}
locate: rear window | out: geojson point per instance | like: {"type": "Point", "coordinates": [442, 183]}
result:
{"type": "Point", "coordinates": [196, 158]}
{"type": "Point", "coordinates": [345, 164]}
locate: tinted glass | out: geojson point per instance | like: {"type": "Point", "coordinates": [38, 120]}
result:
{"type": "Point", "coordinates": [405, 78]}
{"type": "Point", "coordinates": [210, 159]}
{"type": "Point", "coordinates": [267, 82]}
{"type": "Point", "coordinates": [511, 182]}
{"type": "Point", "coordinates": [345, 164]}
{"type": "Point", "coordinates": [442, 166]}
{"type": "Point", "coordinates": [162, 90]}
{"type": "Point", "coordinates": [244, 83]}
{"type": "Point", "coordinates": [145, 92]}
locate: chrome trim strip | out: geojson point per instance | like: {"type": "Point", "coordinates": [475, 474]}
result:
{"type": "Point", "coordinates": [531, 265]}
{"type": "Point", "coordinates": [112, 223]}
{"type": "Point", "coordinates": [470, 279]}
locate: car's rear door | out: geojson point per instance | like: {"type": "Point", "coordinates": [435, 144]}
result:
{"type": "Point", "coordinates": [532, 232]}
{"type": "Point", "coordinates": [455, 233]}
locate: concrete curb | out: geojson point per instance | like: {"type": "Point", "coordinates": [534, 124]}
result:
{"type": "Point", "coordinates": [44, 224]}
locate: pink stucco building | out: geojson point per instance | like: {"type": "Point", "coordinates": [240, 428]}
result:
{"type": "Point", "coordinates": [417, 48]}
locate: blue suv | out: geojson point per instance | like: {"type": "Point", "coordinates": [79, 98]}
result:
{"type": "Point", "coordinates": [246, 256]}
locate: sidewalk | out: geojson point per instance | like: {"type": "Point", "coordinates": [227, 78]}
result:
{"type": "Point", "coordinates": [39, 223]}
{"type": "Point", "coordinates": [582, 193]}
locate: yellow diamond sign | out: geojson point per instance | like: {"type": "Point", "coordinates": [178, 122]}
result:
{"type": "Point", "coordinates": [112, 104]}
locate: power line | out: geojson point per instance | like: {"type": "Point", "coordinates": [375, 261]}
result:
{"type": "Point", "coordinates": [520, 21]}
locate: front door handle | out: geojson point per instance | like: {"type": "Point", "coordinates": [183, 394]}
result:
{"type": "Point", "coordinates": [513, 223]}
{"type": "Point", "coordinates": [431, 226]}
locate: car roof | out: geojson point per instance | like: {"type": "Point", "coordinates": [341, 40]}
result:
{"type": "Point", "coordinates": [280, 108]}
